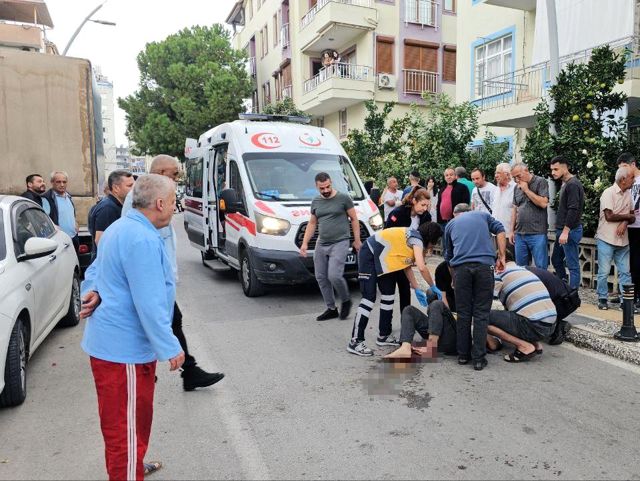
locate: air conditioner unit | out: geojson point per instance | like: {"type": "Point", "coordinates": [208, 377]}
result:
{"type": "Point", "coordinates": [386, 81]}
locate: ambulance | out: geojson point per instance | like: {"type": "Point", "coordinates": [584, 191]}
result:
{"type": "Point", "coordinates": [248, 191]}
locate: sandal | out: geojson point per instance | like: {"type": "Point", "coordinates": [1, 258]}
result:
{"type": "Point", "coordinates": [518, 356]}
{"type": "Point", "coordinates": [152, 467]}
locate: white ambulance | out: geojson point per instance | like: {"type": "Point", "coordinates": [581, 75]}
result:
{"type": "Point", "coordinates": [248, 193]}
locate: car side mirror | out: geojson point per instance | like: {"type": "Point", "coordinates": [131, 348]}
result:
{"type": "Point", "coordinates": [229, 201]}
{"type": "Point", "coordinates": [37, 247]}
{"type": "Point", "coordinates": [375, 195]}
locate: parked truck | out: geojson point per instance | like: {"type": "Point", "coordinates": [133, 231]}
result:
{"type": "Point", "coordinates": [50, 119]}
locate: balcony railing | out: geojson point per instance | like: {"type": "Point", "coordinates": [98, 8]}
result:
{"type": "Point", "coordinates": [310, 15]}
{"type": "Point", "coordinates": [422, 12]}
{"type": "Point", "coordinates": [339, 70]}
{"type": "Point", "coordinates": [287, 92]}
{"type": "Point", "coordinates": [418, 81]}
{"type": "Point", "coordinates": [531, 83]}
{"type": "Point", "coordinates": [284, 36]}
{"type": "Point", "coordinates": [251, 66]}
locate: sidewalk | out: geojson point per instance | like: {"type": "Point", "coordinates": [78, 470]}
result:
{"type": "Point", "coordinates": [592, 328]}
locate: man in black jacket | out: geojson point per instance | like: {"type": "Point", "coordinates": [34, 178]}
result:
{"type": "Point", "coordinates": [454, 193]}
{"type": "Point", "coordinates": [568, 222]}
{"type": "Point", "coordinates": [36, 187]}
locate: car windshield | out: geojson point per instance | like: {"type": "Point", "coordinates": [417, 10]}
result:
{"type": "Point", "coordinates": [3, 246]}
{"type": "Point", "coordinates": [277, 177]}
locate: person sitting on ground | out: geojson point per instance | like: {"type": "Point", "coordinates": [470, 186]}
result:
{"type": "Point", "coordinates": [385, 252]}
{"type": "Point", "coordinates": [529, 314]}
{"type": "Point", "coordinates": [437, 326]}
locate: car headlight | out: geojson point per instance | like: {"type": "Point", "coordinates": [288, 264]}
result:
{"type": "Point", "coordinates": [375, 221]}
{"type": "Point", "coordinates": [272, 225]}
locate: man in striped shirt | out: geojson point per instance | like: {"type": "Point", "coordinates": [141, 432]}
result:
{"type": "Point", "coordinates": [529, 314]}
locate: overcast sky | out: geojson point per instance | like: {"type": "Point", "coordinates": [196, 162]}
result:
{"type": "Point", "coordinates": [115, 49]}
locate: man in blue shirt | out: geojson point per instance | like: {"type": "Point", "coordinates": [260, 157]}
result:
{"type": "Point", "coordinates": [470, 253]}
{"type": "Point", "coordinates": [192, 375]}
{"type": "Point", "coordinates": [129, 299]}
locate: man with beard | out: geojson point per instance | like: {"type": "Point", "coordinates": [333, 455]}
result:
{"type": "Point", "coordinates": [329, 212]}
{"type": "Point", "coordinates": [35, 188]}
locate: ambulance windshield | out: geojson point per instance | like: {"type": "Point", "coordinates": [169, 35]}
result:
{"type": "Point", "coordinates": [282, 177]}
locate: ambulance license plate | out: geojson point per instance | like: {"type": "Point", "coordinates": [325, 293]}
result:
{"type": "Point", "coordinates": [351, 259]}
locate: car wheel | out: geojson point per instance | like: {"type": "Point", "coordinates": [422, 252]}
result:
{"type": "Point", "coordinates": [72, 317]}
{"type": "Point", "coordinates": [15, 369]}
{"type": "Point", "coordinates": [251, 286]}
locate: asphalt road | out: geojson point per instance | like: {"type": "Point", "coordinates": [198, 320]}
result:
{"type": "Point", "coordinates": [296, 405]}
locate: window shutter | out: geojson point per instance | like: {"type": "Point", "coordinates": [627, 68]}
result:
{"type": "Point", "coordinates": [384, 55]}
{"type": "Point", "coordinates": [286, 76]}
{"type": "Point", "coordinates": [412, 57]}
{"type": "Point", "coordinates": [449, 68]}
{"type": "Point", "coordinates": [429, 59]}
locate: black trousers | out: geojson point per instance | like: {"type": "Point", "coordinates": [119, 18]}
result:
{"type": "Point", "coordinates": [176, 325]}
{"type": "Point", "coordinates": [474, 294]}
{"type": "Point", "coordinates": [404, 289]}
{"type": "Point", "coordinates": [634, 258]}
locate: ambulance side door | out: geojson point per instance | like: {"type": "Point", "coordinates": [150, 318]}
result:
{"type": "Point", "coordinates": [240, 219]}
{"type": "Point", "coordinates": [195, 211]}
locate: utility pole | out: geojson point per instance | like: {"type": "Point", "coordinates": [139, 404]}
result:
{"type": "Point", "coordinates": [87, 19]}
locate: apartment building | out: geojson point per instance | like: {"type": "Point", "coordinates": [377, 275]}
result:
{"type": "Point", "coordinates": [385, 50]}
{"type": "Point", "coordinates": [503, 65]}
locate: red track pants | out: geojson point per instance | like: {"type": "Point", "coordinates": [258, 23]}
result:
{"type": "Point", "coordinates": [125, 404]}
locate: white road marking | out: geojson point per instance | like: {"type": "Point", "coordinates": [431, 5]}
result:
{"type": "Point", "coordinates": [602, 357]}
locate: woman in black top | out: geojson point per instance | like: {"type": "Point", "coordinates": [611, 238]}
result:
{"type": "Point", "coordinates": [413, 212]}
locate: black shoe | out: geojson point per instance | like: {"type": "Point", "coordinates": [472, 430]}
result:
{"type": "Point", "coordinates": [480, 364]}
{"type": "Point", "coordinates": [328, 314]}
{"type": "Point", "coordinates": [462, 360]}
{"type": "Point", "coordinates": [195, 377]}
{"type": "Point", "coordinates": [345, 309]}
{"type": "Point", "coordinates": [602, 304]}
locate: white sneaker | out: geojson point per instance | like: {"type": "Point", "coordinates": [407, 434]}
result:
{"type": "Point", "coordinates": [359, 348]}
{"type": "Point", "coordinates": [389, 340]}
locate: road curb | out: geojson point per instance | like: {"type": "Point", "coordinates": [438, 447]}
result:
{"type": "Point", "coordinates": [597, 335]}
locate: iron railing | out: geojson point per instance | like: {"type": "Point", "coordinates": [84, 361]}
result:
{"type": "Point", "coordinates": [320, 4]}
{"type": "Point", "coordinates": [418, 81]}
{"type": "Point", "coordinates": [339, 70]}
{"type": "Point", "coordinates": [284, 36]}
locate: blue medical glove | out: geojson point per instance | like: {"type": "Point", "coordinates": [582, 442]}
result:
{"type": "Point", "coordinates": [422, 297]}
{"type": "Point", "coordinates": [436, 291]}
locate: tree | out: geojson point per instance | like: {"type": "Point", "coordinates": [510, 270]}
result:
{"type": "Point", "coordinates": [489, 155]}
{"type": "Point", "coordinates": [189, 82]}
{"type": "Point", "coordinates": [588, 131]}
{"type": "Point", "coordinates": [285, 107]}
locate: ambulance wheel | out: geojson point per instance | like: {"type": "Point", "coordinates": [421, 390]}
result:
{"type": "Point", "coordinates": [251, 286]}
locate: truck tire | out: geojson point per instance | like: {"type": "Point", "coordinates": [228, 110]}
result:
{"type": "Point", "coordinates": [15, 369]}
{"type": "Point", "coordinates": [251, 286]}
{"type": "Point", "coordinates": [72, 317]}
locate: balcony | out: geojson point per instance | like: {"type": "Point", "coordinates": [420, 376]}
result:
{"type": "Point", "coordinates": [284, 36]}
{"type": "Point", "coordinates": [21, 36]}
{"type": "Point", "coordinates": [421, 12]}
{"type": "Point", "coordinates": [526, 5]}
{"type": "Point", "coordinates": [418, 81]}
{"type": "Point", "coordinates": [508, 100]}
{"type": "Point", "coordinates": [335, 24]}
{"type": "Point", "coordinates": [337, 87]}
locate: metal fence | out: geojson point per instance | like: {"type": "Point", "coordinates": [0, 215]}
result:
{"type": "Point", "coordinates": [418, 81]}
{"type": "Point", "coordinates": [339, 70]}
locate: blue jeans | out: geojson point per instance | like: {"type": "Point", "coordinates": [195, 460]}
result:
{"type": "Point", "coordinates": [532, 245]}
{"type": "Point", "coordinates": [618, 254]}
{"type": "Point", "coordinates": [569, 254]}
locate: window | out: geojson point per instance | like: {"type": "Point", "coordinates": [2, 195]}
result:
{"type": "Point", "coordinates": [265, 41]}
{"type": "Point", "coordinates": [276, 30]}
{"type": "Point", "coordinates": [449, 5]}
{"type": "Point", "coordinates": [384, 54]}
{"type": "Point", "coordinates": [30, 223]}
{"type": "Point", "coordinates": [342, 121]}
{"type": "Point", "coordinates": [420, 11]}
{"type": "Point", "coordinates": [235, 181]}
{"type": "Point", "coordinates": [420, 55]}
{"type": "Point", "coordinates": [493, 66]}
{"type": "Point", "coordinates": [266, 93]}
{"type": "Point", "coordinates": [449, 67]}
{"type": "Point", "coordinates": [193, 186]}
{"type": "Point", "coordinates": [41, 223]}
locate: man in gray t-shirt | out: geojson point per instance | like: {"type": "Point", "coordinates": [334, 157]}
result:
{"type": "Point", "coordinates": [529, 219]}
{"type": "Point", "coordinates": [331, 213]}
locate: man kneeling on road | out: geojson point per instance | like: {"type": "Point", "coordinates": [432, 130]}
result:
{"type": "Point", "coordinates": [529, 314]}
{"type": "Point", "coordinates": [437, 326]}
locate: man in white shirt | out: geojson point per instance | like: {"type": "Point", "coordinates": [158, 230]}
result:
{"type": "Point", "coordinates": [502, 202]}
{"type": "Point", "coordinates": [483, 193]}
{"type": "Point", "coordinates": [392, 196]}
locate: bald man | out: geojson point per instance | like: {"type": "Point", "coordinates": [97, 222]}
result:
{"type": "Point", "coordinates": [192, 375]}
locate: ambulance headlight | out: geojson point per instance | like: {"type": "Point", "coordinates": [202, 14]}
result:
{"type": "Point", "coordinates": [375, 221]}
{"type": "Point", "coordinates": [272, 225]}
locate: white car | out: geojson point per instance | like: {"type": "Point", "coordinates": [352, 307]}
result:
{"type": "Point", "coordinates": [39, 289]}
